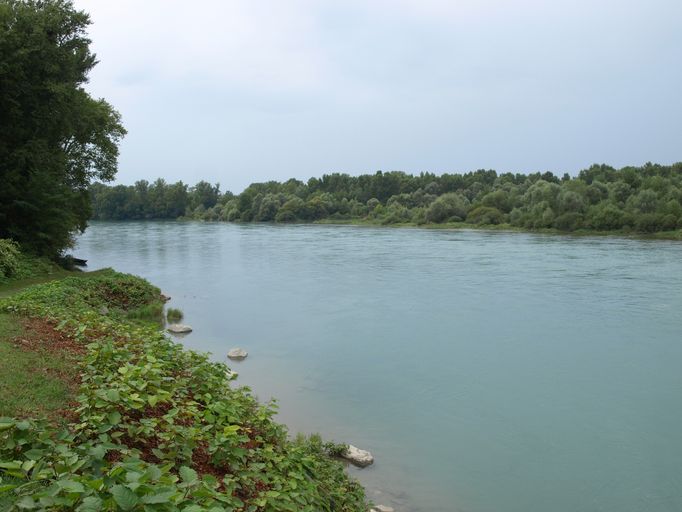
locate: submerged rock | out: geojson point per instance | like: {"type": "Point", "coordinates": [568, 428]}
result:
{"type": "Point", "coordinates": [237, 354]}
{"type": "Point", "coordinates": [358, 457]}
{"type": "Point", "coordinates": [179, 328]}
{"type": "Point", "coordinates": [382, 508]}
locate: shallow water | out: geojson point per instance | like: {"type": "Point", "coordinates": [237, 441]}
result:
{"type": "Point", "coordinates": [486, 371]}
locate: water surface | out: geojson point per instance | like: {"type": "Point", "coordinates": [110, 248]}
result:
{"type": "Point", "coordinates": [486, 371]}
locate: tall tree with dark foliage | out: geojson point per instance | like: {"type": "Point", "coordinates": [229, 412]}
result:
{"type": "Point", "coordinates": [54, 137]}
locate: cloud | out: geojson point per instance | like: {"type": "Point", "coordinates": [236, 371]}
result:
{"type": "Point", "coordinates": [239, 91]}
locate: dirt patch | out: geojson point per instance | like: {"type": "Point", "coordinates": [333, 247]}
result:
{"type": "Point", "coordinates": [40, 336]}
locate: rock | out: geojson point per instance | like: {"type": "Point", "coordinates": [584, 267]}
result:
{"type": "Point", "coordinates": [237, 354]}
{"type": "Point", "coordinates": [382, 508]}
{"type": "Point", "coordinates": [358, 457]}
{"type": "Point", "coordinates": [104, 310]}
{"type": "Point", "coordinates": [179, 328]}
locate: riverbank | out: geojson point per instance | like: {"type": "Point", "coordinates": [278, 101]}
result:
{"type": "Point", "coordinates": [153, 426]}
{"type": "Point", "coordinates": [661, 235]}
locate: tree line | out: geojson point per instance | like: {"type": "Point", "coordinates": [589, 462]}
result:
{"type": "Point", "coordinates": [601, 198]}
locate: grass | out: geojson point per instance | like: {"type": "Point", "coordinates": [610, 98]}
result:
{"type": "Point", "coordinates": [33, 375]}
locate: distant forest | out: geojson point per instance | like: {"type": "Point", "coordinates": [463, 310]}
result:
{"type": "Point", "coordinates": [641, 199]}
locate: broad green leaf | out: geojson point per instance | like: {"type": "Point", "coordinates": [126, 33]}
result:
{"type": "Point", "coordinates": [71, 485]}
{"type": "Point", "coordinates": [90, 504]}
{"type": "Point", "coordinates": [23, 425]}
{"type": "Point", "coordinates": [124, 497]}
{"type": "Point", "coordinates": [26, 503]}
{"type": "Point", "coordinates": [114, 417]}
{"type": "Point", "coordinates": [161, 497]}
{"type": "Point", "coordinates": [188, 475]}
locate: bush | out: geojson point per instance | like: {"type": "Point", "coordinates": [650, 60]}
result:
{"type": "Point", "coordinates": [568, 221]}
{"type": "Point", "coordinates": [174, 315]}
{"type": "Point", "coordinates": [485, 215]}
{"type": "Point", "coordinates": [9, 257]}
{"type": "Point", "coordinates": [648, 223]}
{"type": "Point", "coordinates": [446, 207]}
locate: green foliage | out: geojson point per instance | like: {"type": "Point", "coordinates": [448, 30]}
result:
{"type": "Point", "coordinates": [9, 258]}
{"type": "Point", "coordinates": [601, 198]}
{"type": "Point", "coordinates": [17, 266]}
{"type": "Point", "coordinates": [174, 315]}
{"type": "Point", "coordinates": [159, 427]}
{"type": "Point", "coordinates": [485, 215]}
{"type": "Point", "coordinates": [55, 138]}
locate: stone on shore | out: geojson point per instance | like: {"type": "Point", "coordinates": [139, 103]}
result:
{"type": "Point", "coordinates": [179, 328]}
{"type": "Point", "coordinates": [382, 508]}
{"type": "Point", "coordinates": [358, 457]}
{"type": "Point", "coordinates": [237, 354]}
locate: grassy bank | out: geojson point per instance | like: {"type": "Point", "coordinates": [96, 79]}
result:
{"type": "Point", "coordinates": [152, 426]}
{"type": "Point", "coordinates": [36, 365]}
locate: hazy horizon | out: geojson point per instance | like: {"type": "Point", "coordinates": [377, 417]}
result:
{"type": "Point", "coordinates": [243, 92]}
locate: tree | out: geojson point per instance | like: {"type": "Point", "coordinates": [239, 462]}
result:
{"type": "Point", "coordinates": [55, 139]}
{"type": "Point", "coordinates": [450, 206]}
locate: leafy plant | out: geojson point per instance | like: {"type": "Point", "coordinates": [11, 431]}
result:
{"type": "Point", "coordinates": [174, 315]}
{"type": "Point", "coordinates": [9, 257]}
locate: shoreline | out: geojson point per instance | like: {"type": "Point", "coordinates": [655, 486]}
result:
{"type": "Point", "coordinates": [674, 236]}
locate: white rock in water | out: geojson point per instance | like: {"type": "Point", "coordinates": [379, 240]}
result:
{"type": "Point", "coordinates": [237, 354]}
{"type": "Point", "coordinates": [382, 508]}
{"type": "Point", "coordinates": [358, 457]}
{"type": "Point", "coordinates": [179, 328]}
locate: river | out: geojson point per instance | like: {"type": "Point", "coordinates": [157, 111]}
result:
{"type": "Point", "coordinates": [486, 371]}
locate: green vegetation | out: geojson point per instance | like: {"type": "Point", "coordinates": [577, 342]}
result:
{"type": "Point", "coordinates": [55, 138]}
{"type": "Point", "coordinates": [156, 427]}
{"type": "Point", "coordinates": [33, 382]}
{"type": "Point", "coordinates": [174, 315]}
{"type": "Point", "coordinates": [645, 199]}
{"type": "Point", "coordinates": [9, 258]}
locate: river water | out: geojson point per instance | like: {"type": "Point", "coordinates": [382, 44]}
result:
{"type": "Point", "coordinates": [486, 371]}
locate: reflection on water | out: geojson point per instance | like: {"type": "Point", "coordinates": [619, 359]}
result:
{"type": "Point", "coordinates": [485, 371]}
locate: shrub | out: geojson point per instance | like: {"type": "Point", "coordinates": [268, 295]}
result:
{"type": "Point", "coordinates": [446, 207]}
{"type": "Point", "coordinates": [9, 257]}
{"type": "Point", "coordinates": [568, 221]}
{"type": "Point", "coordinates": [485, 215]}
{"type": "Point", "coordinates": [648, 223]}
{"type": "Point", "coordinates": [174, 315]}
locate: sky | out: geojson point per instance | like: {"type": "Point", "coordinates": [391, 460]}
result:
{"type": "Point", "coordinates": [242, 91]}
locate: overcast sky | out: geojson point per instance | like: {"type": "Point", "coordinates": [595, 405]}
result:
{"type": "Point", "coordinates": [248, 90]}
